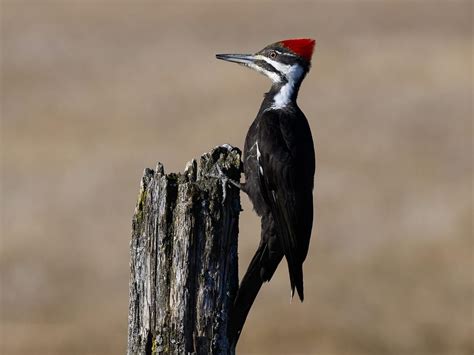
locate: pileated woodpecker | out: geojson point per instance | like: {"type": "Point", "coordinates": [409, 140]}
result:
{"type": "Point", "coordinates": [279, 165]}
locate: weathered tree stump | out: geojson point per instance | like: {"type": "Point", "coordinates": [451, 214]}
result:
{"type": "Point", "coordinates": [183, 268]}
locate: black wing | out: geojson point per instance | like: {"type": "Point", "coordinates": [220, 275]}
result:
{"type": "Point", "coordinates": [286, 166]}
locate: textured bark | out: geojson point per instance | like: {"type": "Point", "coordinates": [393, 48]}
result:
{"type": "Point", "coordinates": [183, 268]}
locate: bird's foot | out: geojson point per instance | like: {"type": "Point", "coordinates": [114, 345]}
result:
{"type": "Point", "coordinates": [221, 175]}
{"type": "Point", "coordinates": [228, 179]}
{"type": "Point", "coordinates": [225, 179]}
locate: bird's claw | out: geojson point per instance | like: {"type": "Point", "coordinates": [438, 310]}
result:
{"type": "Point", "coordinates": [225, 179]}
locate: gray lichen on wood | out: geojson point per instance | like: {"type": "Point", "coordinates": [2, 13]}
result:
{"type": "Point", "coordinates": [183, 266]}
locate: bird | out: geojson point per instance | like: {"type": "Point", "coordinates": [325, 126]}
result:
{"type": "Point", "coordinates": [279, 166]}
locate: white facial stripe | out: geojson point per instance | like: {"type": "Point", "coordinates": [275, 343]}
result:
{"type": "Point", "coordinates": [273, 76]}
{"type": "Point", "coordinates": [292, 73]}
{"type": "Point", "coordinates": [282, 68]}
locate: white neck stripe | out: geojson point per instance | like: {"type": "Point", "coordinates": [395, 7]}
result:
{"type": "Point", "coordinates": [286, 92]}
{"type": "Point", "coordinates": [292, 73]}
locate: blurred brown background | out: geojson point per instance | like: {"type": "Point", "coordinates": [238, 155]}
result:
{"type": "Point", "coordinates": [94, 92]}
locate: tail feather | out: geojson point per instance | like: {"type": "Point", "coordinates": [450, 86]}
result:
{"type": "Point", "coordinates": [295, 272]}
{"type": "Point", "coordinates": [260, 269]}
{"type": "Point", "coordinates": [248, 290]}
{"type": "Point", "coordinates": [296, 279]}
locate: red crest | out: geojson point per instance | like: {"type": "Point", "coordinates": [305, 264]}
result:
{"type": "Point", "coordinates": [300, 46]}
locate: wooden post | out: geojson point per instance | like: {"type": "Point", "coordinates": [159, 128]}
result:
{"type": "Point", "coordinates": [183, 268]}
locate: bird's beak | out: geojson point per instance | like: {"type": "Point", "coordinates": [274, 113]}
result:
{"type": "Point", "coordinates": [245, 59]}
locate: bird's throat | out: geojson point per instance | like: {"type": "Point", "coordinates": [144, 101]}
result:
{"type": "Point", "coordinates": [285, 92]}
{"type": "Point", "coordinates": [285, 95]}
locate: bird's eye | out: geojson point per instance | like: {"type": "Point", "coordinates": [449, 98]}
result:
{"type": "Point", "coordinates": [273, 54]}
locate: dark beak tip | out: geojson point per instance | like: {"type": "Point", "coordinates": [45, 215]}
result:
{"type": "Point", "coordinates": [222, 56]}
{"type": "Point", "coordinates": [236, 58]}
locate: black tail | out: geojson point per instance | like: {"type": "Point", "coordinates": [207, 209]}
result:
{"type": "Point", "coordinates": [248, 290]}
{"type": "Point", "coordinates": [261, 269]}
{"type": "Point", "coordinates": [296, 279]}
